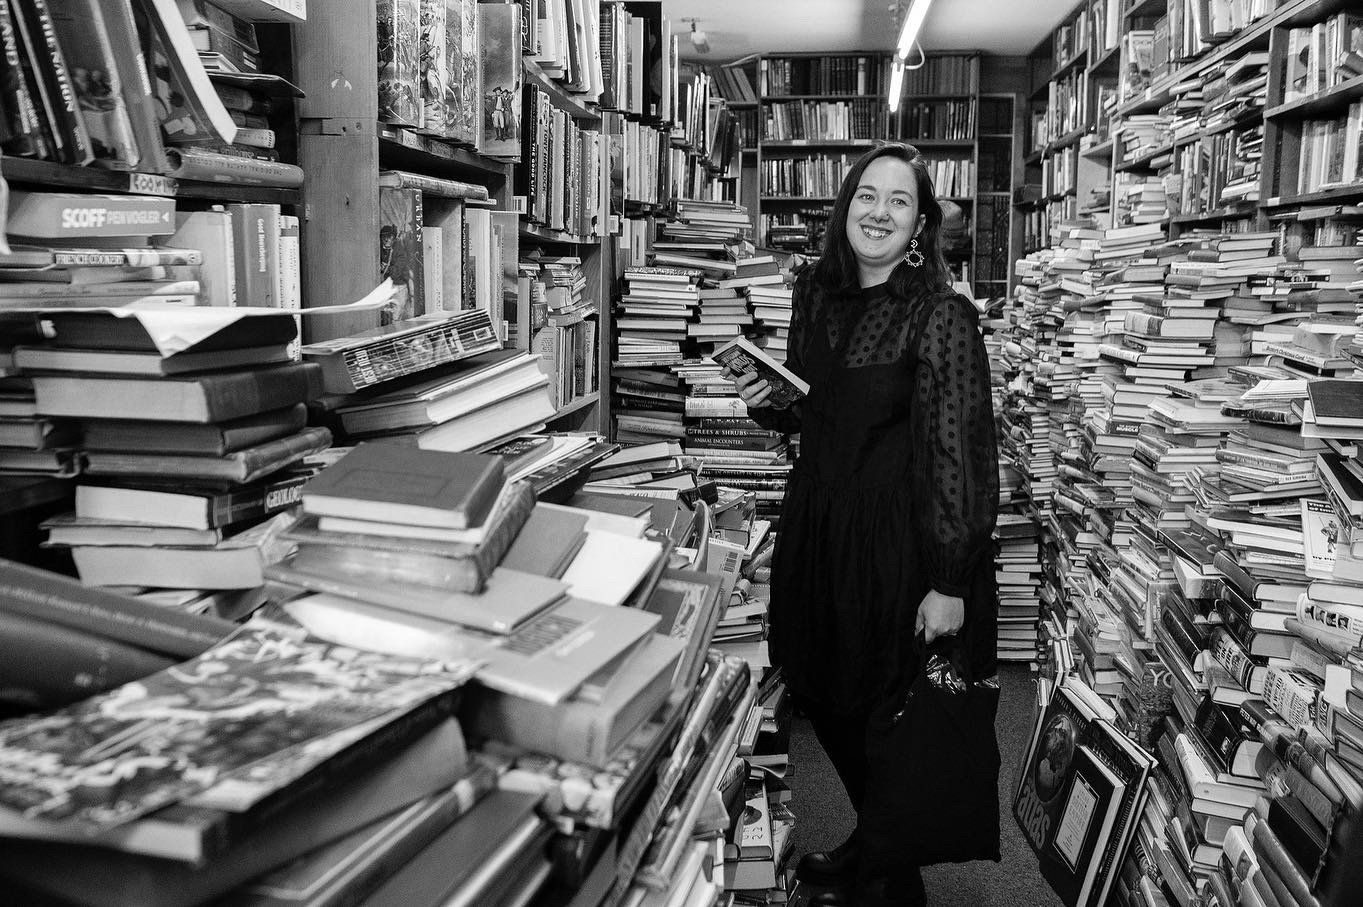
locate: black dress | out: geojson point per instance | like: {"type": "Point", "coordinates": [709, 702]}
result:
{"type": "Point", "coordinates": [895, 491]}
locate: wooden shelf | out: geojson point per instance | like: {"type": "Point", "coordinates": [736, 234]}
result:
{"type": "Point", "coordinates": [1103, 149]}
{"type": "Point", "coordinates": [779, 98]}
{"type": "Point", "coordinates": [819, 143]}
{"type": "Point", "coordinates": [810, 199]}
{"type": "Point", "coordinates": [91, 179]}
{"type": "Point", "coordinates": [1070, 138]}
{"type": "Point", "coordinates": [1069, 65]}
{"type": "Point", "coordinates": [537, 231]}
{"type": "Point", "coordinates": [1106, 59]}
{"type": "Point", "coordinates": [1141, 8]}
{"type": "Point", "coordinates": [426, 154]}
{"type": "Point", "coordinates": [941, 143]}
{"type": "Point", "coordinates": [577, 405]}
{"type": "Point", "coordinates": [1241, 209]}
{"type": "Point", "coordinates": [559, 96]}
{"type": "Point", "coordinates": [1336, 99]}
{"type": "Point", "coordinates": [1324, 195]}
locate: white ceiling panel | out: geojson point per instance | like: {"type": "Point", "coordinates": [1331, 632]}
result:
{"type": "Point", "coordinates": [737, 28]}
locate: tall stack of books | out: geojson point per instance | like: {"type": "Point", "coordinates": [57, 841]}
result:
{"type": "Point", "coordinates": [183, 446]}
{"type": "Point", "coordinates": [1018, 557]}
{"type": "Point", "coordinates": [653, 314]}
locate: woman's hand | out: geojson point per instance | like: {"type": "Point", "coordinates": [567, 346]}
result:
{"type": "Point", "coordinates": [939, 615]}
{"type": "Point", "coordinates": [755, 391]}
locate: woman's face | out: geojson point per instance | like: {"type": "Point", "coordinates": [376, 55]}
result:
{"type": "Point", "coordinates": [883, 217]}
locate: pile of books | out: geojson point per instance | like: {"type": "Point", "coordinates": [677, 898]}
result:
{"type": "Point", "coordinates": [184, 450]}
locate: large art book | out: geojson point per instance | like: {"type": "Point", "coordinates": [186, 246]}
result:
{"type": "Point", "coordinates": [740, 355]}
{"type": "Point", "coordinates": [1069, 800]}
{"type": "Point", "coordinates": [265, 692]}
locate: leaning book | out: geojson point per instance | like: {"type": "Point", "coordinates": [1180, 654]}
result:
{"type": "Point", "coordinates": [739, 355]}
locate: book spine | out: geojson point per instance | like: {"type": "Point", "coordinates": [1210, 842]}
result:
{"type": "Point", "coordinates": [212, 167]}
{"type": "Point", "coordinates": [67, 112]}
{"type": "Point", "coordinates": [1291, 697]}
{"type": "Point", "coordinates": [62, 600]}
{"type": "Point", "coordinates": [48, 665]}
{"type": "Point", "coordinates": [263, 458]}
{"type": "Point", "coordinates": [353, 369]}
{"type": "Point", "coordinates": [228, 395]}
{"type": "Point", "coordinates": [1232, 657]}
{"type": "Point", "coordinates": [21, 115]}
{"type": "Point", "coordinates": [62, 216]}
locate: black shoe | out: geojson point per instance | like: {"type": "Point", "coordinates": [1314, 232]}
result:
{"type": "Point", "coordinates": [830, 867]}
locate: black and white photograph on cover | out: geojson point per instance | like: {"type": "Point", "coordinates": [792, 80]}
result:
{"type": "Point", "coordinates": [885, 545]}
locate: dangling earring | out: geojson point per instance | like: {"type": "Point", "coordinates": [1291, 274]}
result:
{"type": "Point", "coordinates": [913, 258]}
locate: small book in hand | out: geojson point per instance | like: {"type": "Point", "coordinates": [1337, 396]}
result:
{"type": "Point", "coordinates": [741, 356]}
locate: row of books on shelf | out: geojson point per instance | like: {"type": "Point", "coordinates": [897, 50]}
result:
{"type": "Point", "coordinates": [862, 74]}
{"type": "Point", "coordinates": [122, 86]}
{"type": "Point", "coordinates": [860, 119]}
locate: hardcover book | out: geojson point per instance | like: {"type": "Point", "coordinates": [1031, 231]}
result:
{"type": "Point", "coordinates": [499, 80]}
{"type": "Point", "coordinates": [400, 252]}
{"type": "Point", "coordinates": [403, 348]}
{"type": "Point", "coordinates": [399, 51]}
{"type": "Point", "coordinates": [176, 503]}
{"type": "Point", "coordinates": [398, 484]}
{"type": "Point", "coordinates": [580, 730]}
{"type": "Point", "coordinates": [61, 600]}
{"type": "Point", "coordinates": [94, 71]}
{"type": "Point", "coordinates": [64, 216]}
{"type": "Point", "coordinates": [239, 466]}
{"type": "Point", "coordinates": [209, 397]}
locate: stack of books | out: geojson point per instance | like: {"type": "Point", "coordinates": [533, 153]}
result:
{"type": "Point", "coordinates": [653, 314]}
{"type": "Point", "coordinates": [563, 330]}
{"type": "Point", "coordinates": [184, 446]}
{"type": "Point", "coordinates": [440, 382]}
{"type": "Point", "coordinates": [463, 405]}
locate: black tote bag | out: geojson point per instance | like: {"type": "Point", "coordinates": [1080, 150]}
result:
{"type": "Point", "coordinates": [933, 787]}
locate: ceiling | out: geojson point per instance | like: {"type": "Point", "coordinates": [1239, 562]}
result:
{"type": "Point", "coordinates": [737, 28]}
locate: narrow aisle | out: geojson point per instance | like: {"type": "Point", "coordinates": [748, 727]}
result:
{"type": "Point", "coordinates": [823, 818]}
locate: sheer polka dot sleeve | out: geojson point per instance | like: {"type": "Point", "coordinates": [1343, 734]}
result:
{"type": "Point", "coordinates": [956, 470]}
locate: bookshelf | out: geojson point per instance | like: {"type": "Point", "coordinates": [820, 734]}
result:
{"type": "Point", "coordinates": [816, 114]}
{"type": "Point", "coordinates": [343, 137]}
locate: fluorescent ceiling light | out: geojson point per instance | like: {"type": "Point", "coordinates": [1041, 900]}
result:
{"type": "Point", "coordinates": [913, 24]}
{"type": "Point", "coordinates": [896, 82]}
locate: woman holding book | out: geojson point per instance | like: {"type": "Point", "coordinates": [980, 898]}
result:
{"type": "Point", "coordinates": [887, 521]}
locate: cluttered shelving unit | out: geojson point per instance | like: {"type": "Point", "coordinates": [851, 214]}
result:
{"type": "Point", "coordinates": [1191, 241]}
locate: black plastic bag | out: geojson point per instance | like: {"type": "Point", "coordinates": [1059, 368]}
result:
{"type": "Point", "coordinates": [933, 788]}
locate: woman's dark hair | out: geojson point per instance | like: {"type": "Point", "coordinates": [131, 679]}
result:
{"type": "Point", "coordinates": [836, 270]}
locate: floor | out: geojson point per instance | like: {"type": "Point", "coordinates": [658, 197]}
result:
{"type": "Point", "coordinates": [824, 818]}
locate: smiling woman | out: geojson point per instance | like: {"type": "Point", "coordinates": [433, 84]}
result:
{"type": "Point", "coordinates": [887, 518]}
